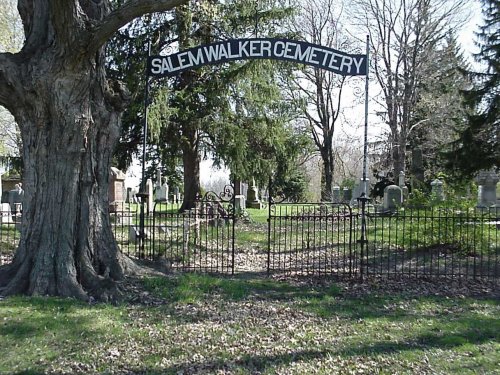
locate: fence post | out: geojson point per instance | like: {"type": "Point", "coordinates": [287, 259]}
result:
{"type": "Point", "coordinates": [363, 240]}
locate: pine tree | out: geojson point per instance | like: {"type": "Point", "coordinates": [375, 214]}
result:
{"type": "Point", "coordinates": [233, 112]}
{"type": "Point", "coordinates": [478, 145]}
{"type": "Point", "coordinates": [439, 106]}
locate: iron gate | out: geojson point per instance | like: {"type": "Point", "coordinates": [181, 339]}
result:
{"type": "Point", "coordinates": [312, 239]}
{"type": "Point", "coordinates": [201, 239]}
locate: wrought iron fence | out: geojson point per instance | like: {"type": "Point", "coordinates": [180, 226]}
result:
{"type": "Point", "coordinates": [9, 235]}
{"type": "Point", "coordinates": [433, 242]}
{"type": "Point", "coordinates": [317, 239]}
{"type": "Point", "coordinates": [312, 239]}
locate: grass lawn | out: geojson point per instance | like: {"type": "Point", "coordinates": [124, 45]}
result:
{"type": "Point", "coordinates": [199, 324]}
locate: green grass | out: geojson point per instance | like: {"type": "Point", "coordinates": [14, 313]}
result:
{"type": "Point", "coordinates": [209, 325]}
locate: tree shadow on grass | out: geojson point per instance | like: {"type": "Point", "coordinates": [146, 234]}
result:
{"type": "Point", "coordinates": [482, 332]}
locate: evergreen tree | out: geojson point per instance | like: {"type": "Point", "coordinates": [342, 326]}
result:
{"type": "Point", "coordinates": [232, 112]}
{"type": "Point", "coordinates": [439, 105]}
{"type": "Point", "coordinates": [478, 145]}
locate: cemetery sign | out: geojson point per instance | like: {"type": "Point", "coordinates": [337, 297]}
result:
{"type": "Point", "coordinates": [258, 48]}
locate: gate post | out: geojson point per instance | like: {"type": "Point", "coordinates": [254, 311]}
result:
{"type": "Point", "coordinates": [269, 202]}
{"type": "Point", "coordinates": [363, 240]}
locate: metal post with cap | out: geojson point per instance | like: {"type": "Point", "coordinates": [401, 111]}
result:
{"type": "Point", "coordinates": [143, 194]}
{"type": "Point", "coordinates": [363, 199]}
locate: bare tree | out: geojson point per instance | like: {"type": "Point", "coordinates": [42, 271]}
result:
{"type": "Point", "coordinates": [404, 35]}
{"type": "Point", "coordinates": [69, 116]}
{"type": "Point", "coordinates": [320, 90]}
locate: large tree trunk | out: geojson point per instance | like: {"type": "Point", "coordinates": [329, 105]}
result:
{"type": "Point", "coordinates": [328, 165]}
{"type": "Point", "coordinates": [191, 163]}
{"type": "Point", "coordinates": [69, 117]}
{"type": "Point", "coordinates": [69, 129]}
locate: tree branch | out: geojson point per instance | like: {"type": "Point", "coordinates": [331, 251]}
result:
{"type": "Point", "coordinates": [35, 17]}
{"type": "Point", "coordinates": [104, 29]}
{"type": "Point", "coordinates": [9, 80]}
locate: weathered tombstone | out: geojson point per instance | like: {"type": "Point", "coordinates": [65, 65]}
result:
{"type": "Point", "coordinates": [161, 192]}
{"type": "Point", "coordinates": [336, 194]}
{"type": "Point", "coordinates": [149, 199]}
{"type": "Point", "coordinates": [361, 189]}
{"type": "Point", "coordinates": [402, 184]}
{"type": "Point", "coordinates": [437, 190]}
{"type": "Point", "coordinates": [129, 198]}
{"type": "Point", "coordinates": [5, 214]}
{"type": "Point", "coordinates": [116, 189]}
{"type": "Point", "coordinates": [487, 188]}
{"type": "Point", "coordinates": [253, 196]}
{"type": "Point", "coordinates": [16, 196]}
{"type": "Point", "coordinates": [346, 195]}
{"type": "Point", "coordinates": [134, 234]}
{"type": "Point", "coordinates": [239, 203]}
{"type": "Point", "coordinates": [356, 193]}
{"type": "Point", "coordinates": [401, 179]}
{"type": "Point", "coordinates": [393, 197]}
{"type": "Point", "coordinates": [177, 195]}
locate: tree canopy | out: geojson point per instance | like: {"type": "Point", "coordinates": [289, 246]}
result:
{"type": "Point", "coordinates": [478, 144]}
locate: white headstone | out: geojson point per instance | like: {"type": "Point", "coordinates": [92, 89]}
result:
{"type": "Point", "coordinates": [158, 177]}
{"type": "Point", "coordinates": [239, 203]}
{"type": "Point", "coordinates": [5, 213]}
{"type": "Point", "coordinates": [161, 192]}
{"type": "Point", "coordinates": [487, 188]}
{"type": "Point", "coordinates": [437, 190]}
{"type": "Point", "coordinates": [393, 197]}
{"type": "Point", "coordinates": [401, 181]}
{"type": "Point", "coordinates": [149, 191]}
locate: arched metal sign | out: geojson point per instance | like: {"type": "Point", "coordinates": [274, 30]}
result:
{"type": "Point", "coordinates": [258, 48]}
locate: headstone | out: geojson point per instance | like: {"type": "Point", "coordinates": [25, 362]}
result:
{"type": "Point", "coordinates": [134, 234]}
{"type": "Point", "coordinates": [336, 194]}
{"type": "Point", "coordinates": [437, 190]}
{"type": "Point", "coordinates": [5, 213]}
{"type": "Point", "coordinates": [253, 196]}
{"type": "Point", "coordinates": [161, 192]}
{"type": "Point", "coordinates": [359, 190]}
{"type": "Point", "coordinates": [487, 188]}
{"type": "Point", "coordinates": [356, 193]}
{"type": "Point", "coordinates": [346, 194]}
{"type": "Point", "coordinates": [393, 197]}
{"type": "Point", "coordinates": [402, 184]}
{"type": "Point", "coordinates": [158, 178]}
{"type": "Point", "coordinates": [149, 192]}
{"type": "Point", "coordinates": [16, 198]}
{"type": "Point", "coordinates": [177, 195]}
{"type": "Point", "coordinates": [129, 198]}
{"type": "Point", "coordinates": [401, 179]}
{"type": "Point", "coordinates": [116, 189]}
{"type": "Point", "coordinates": [239, 203]}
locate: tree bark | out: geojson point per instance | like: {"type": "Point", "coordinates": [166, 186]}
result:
{"type": "Point", "coordinates": [191, 163]}
{"type": "Point", "coordinates": [69, 117]}
{"type": "Point", "coordinates": [328, 166]}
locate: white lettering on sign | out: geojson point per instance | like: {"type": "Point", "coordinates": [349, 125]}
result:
{"type": "Point", "coordinates": [306, 53]}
